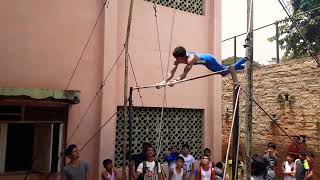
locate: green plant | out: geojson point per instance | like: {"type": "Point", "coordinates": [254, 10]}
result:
{"type": "Point", "coordinates": [292, 100]}
{"type": "Point", "coordinates": [282, 98]}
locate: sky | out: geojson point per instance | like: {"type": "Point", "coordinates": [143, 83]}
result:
{"type": "Point", "coordinates": [234, 22]}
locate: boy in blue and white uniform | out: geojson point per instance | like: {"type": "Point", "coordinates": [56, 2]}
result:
{"type": "Point", "coordinates": [191, 58]}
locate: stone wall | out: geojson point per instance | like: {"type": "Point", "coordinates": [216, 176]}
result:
{"type": "Point", "coordinates": [291, 91]}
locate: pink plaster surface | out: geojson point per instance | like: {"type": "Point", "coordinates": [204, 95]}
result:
{"type": "Point", "coordinates": [196, 33]}
{"type": "Point", "coordinates": [41, 42]}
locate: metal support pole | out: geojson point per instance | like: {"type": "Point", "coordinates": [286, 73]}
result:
{"type": "Point", "coordinates": [235, 49]}
{"type": "Point", "coordinates": [125, 97]}
{"type": "Point", "coordinates": [235, 127]}
{"type": "Point", "coordinates": [130, 130]}
{"type": "Point", "coordinates": [277, 42]}
{"type": "Point", "coordinates": [249, 55]}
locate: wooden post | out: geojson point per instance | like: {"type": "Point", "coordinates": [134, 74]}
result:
{"type": "Point", "coordinates": [130, 130]}
{"type": "Point", "coordinates": [125, 103]}
{"type": "Point", "coordinates": [236, 126]}
{"type": "Point", "coordinates": [249, 55]}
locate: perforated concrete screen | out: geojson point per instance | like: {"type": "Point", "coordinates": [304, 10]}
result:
{"type": "Point", "coordinates": [192, 6]}
{"type": "Point", "coordinates": [179, 126]}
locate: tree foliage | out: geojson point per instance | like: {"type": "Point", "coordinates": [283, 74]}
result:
{"type": "Point", "coordinates": [306, 13]}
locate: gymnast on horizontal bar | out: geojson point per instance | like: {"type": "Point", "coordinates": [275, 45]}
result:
{"type": "Point", "coordinates": [190, 59]}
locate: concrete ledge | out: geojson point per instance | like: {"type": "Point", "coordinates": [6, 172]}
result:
{"type": "Point", "coordinates": [69, 96]}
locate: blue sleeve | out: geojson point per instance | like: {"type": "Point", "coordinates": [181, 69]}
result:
{"type": "Point", "coordinates": [170, 158]}
{"type": "Point", "coordinates": [195, 172]}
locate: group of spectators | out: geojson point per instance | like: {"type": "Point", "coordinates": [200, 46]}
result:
{"type": "Point", "coordinates": [181, 165]}
{"type": "Point", "coordinates": [297, 166]}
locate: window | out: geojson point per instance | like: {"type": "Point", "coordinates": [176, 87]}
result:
{"type": "Point", "coordinates": [179, 126]}
{"type": "Point", "coordinates": [192, 6]}
{"type": "Point", "coordinates": [31, 138]}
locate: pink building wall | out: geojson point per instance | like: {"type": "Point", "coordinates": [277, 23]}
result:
{"type": "Point", "coordinates": [42, 41]}
{"type": "Point", "coordinates": [197, 33]}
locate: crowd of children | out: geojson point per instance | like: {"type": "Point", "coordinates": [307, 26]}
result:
{"type": "Point", "coordinates": [183, 166]}
{"type": "Point", "coordinates": [296, 167]}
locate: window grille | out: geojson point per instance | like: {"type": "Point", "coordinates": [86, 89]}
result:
{"type": "Point", "coordinates": [192, 6]}
{"type": "Point", "coordinates": [179, 126]}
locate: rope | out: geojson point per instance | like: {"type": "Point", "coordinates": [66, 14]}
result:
{"type": "Point", "coordinates": [164, 100]}
{"type": "Point", "coordinates": [238, 148]}
{"type": "Point", "coordinates": [98, 131]}
{"type": "Point", "coordinates": [281, 128]}
{"type": "Point", "coordinates": [310, 48]}
{"type": "Point", "coordinates": [135, 79]}
{"type": "Point", "coordinates": [171, 35]}
{"type": "Point", "coordinates": [163, 174]}
{"type": "Point", "coordinates": [96, 95]}
{"type": "Point", "coordinates": [232, 124]}
{"type": "Point", "coordinates": [131, 64]}
{"type": "Point", "coordinates": [158, 38]}
{"type": "Point", "coordinates": [160, 126]}
{"type": "Point", "coordinates": [284, 4]}
{"type": "Point", "coordinates": [106, 2]}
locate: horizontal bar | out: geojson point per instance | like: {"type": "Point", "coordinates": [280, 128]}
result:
{"type": "Point", "coordinates": [181, 81]}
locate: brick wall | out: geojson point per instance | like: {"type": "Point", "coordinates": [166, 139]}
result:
{"type": "Point", "coordinates": [291, 91]}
